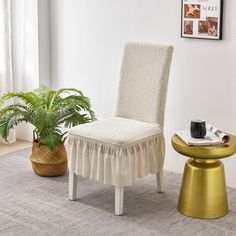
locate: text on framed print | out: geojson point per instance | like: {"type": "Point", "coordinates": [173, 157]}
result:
{"type": "Point", "coordinates": [202, 19]}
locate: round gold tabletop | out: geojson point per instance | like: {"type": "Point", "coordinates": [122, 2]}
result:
{"type": "Point", "coordinates": [205, 152]}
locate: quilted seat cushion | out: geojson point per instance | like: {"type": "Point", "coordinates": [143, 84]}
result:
{"type": "Point", "coordinates": [116, 131]}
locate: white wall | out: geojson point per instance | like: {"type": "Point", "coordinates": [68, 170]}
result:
{"type": "Point", "coordinates": [87, 39]}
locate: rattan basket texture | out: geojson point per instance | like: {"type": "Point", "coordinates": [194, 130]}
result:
{"type": "Point", "coordinates": [46, 162]}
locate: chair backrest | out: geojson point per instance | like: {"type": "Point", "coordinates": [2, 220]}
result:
{"type": "Point", "coordinates": [143, 82]}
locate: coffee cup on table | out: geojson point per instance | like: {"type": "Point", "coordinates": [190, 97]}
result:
{"type": "Point", "coordinates": [198, 128]}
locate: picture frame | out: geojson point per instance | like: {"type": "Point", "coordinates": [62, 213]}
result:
{"type": "Point", "coordinates": [202, 19]}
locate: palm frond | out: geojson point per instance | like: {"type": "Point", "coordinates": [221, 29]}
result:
{"type": "Point", "coordinates": [13, 107]}
{"type": "Point", "coordinates": [76, 119]}
{"type": "Point", "coordinates": [57, 96]}
{"type": "Point", "coordinates": [81, 102]}
{"type": "Point", "coordinates": [47, 128]}
{"type": "Point", "coordinates": [45, 94]}
{"type": "Point", "coordinates": [30, 99]}
{"type": "Point", "coordinates": [8, 122]}
{"type": "Point", "coordinates": [47, 110]}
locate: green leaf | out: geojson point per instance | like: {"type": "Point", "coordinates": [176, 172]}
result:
{"type": "Point", "coordinates": [30, 99]}
{"type": "Point", "coordinates": [47, 111]}
{"type": "Point", "coordinates": [7, 123]}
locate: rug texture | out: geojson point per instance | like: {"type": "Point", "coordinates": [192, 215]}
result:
{"type": "Point", "coordinates": [33, 205]}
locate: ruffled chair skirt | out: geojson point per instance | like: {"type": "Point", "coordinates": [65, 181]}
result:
{"type": "Point", "coordinates": [118, 165]}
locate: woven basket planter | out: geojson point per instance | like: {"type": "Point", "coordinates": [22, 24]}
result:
{"type": "Point", "coordinates": [48, 163]}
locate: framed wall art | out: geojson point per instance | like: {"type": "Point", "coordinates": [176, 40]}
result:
{"type": "Point", "coordinates": [202, 19]}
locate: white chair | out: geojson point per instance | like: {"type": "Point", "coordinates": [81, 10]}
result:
{"type": "Point", "coordinates": [120, 149]}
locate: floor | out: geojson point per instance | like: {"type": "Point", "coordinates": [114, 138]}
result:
{"type": "Point", "coordinates": [39, 206]}
{"type": "Point", "coordinates": [18, 145]}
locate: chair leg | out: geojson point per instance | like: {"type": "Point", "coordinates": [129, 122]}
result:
{"type": "Point", "coordinates": [160, 181]}
{"type": "Point", "coordinates": [72, 186]}
{"type": "Point", "coordinates": [119, 196]}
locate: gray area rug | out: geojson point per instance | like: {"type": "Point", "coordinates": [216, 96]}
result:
{"type": "Point", "coordinates": [32, 205]}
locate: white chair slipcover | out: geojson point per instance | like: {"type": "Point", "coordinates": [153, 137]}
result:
{"type": "Point", "coordinates": [120, 149]}
{"type": "Point", "coordinates": [116, 150]}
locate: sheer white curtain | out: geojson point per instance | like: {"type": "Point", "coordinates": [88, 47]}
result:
{"type": "Point", "coordinates": [20, 49]}
{"type": "Point", "coordinates": [6, 64]}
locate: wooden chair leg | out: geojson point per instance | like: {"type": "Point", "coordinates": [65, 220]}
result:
{"type": "Point", "coordinates": [160, 181]}
{"type": "Point", "coordinates": [72, 186]}
{"type": "Point", "coordinates": [119, 197]}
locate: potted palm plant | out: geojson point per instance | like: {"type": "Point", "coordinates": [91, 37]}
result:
{"type": "Point", "coordinates": [48, 111]}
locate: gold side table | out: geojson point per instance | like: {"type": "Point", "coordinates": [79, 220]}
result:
{"type": "Point", "coordinates": [203, 192]}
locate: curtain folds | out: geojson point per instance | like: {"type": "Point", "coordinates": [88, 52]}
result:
{"type": "Point", "coordinates": [6, 62]}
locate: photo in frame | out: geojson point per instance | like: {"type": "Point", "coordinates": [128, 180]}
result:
{"type": "Point", "coordinates": [202, 19]}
